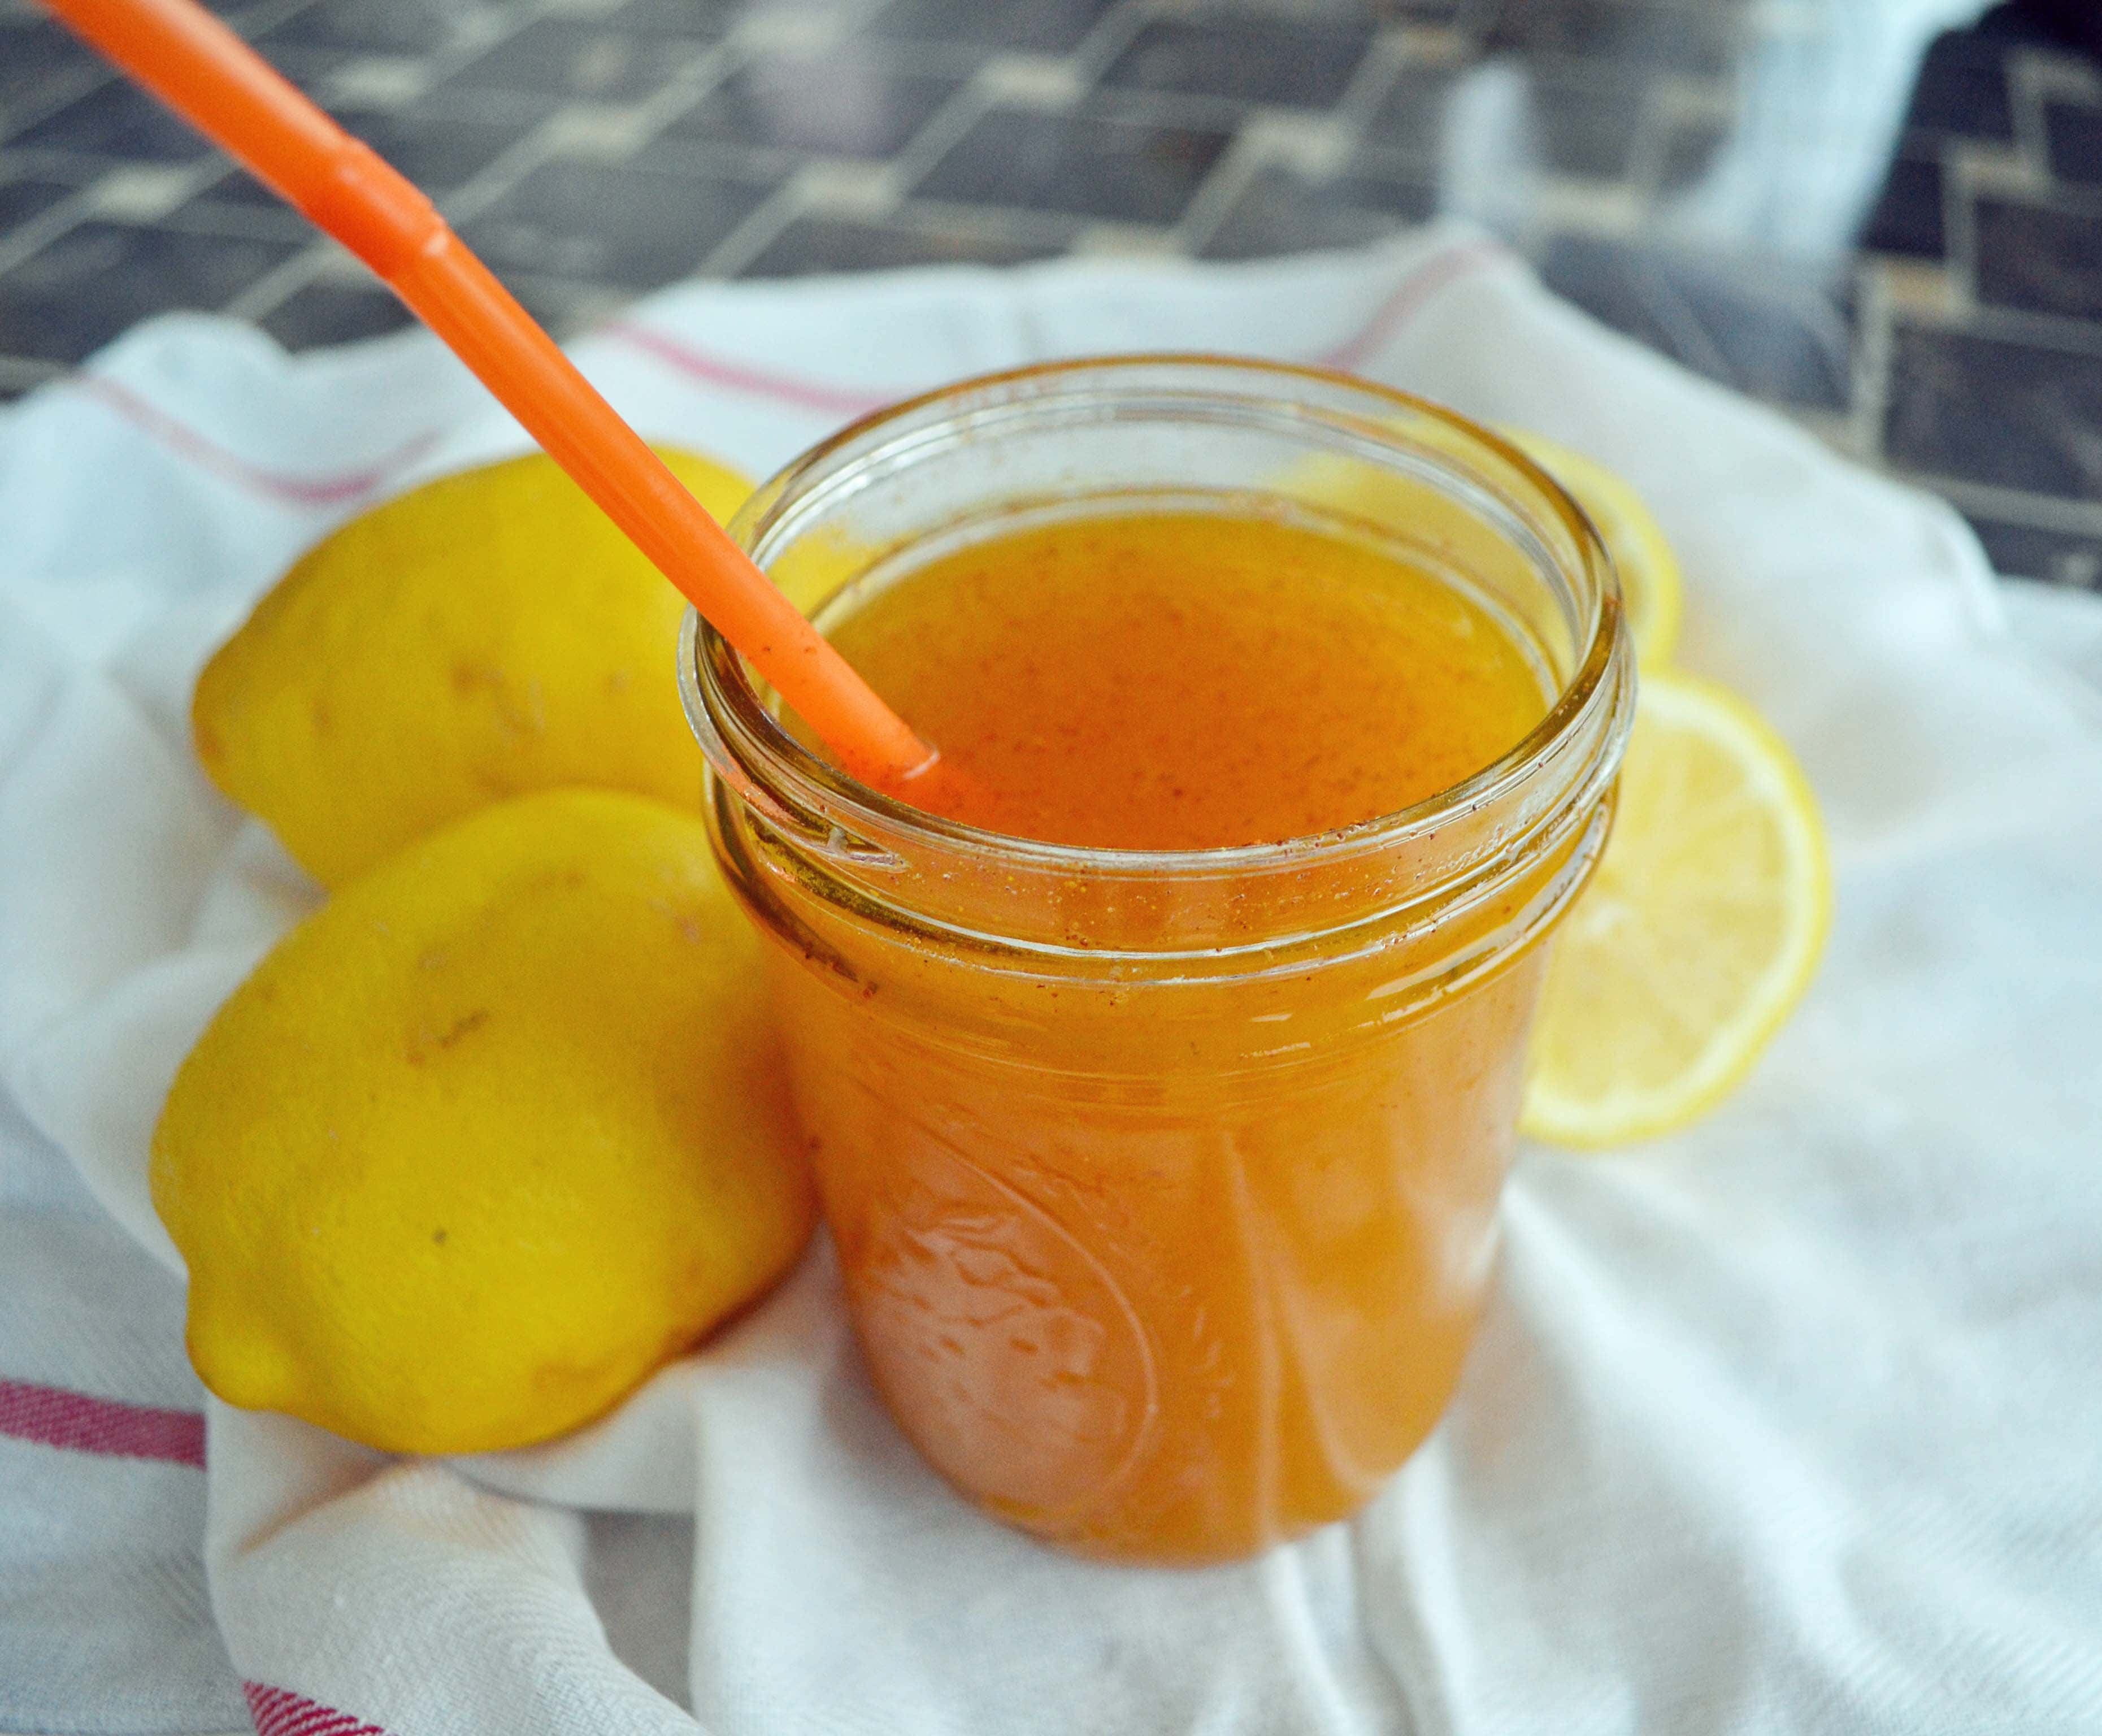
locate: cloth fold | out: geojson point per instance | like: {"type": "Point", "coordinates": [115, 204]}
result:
{"type": "Point", "coordinates": [1786, 1422]}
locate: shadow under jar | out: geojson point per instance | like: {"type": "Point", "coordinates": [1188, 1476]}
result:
{"type": "Point", "coordinates": [1164, 1183]}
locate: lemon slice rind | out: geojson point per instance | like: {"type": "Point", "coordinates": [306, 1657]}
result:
{"type": "Point", "coordinates": [1699, 935]}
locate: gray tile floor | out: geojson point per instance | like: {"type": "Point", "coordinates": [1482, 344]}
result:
{"type": "Point", "coordinates": [1894, 235]}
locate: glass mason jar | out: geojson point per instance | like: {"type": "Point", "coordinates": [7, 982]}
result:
{"type": "Point", "coordinates": [1164, 1184]}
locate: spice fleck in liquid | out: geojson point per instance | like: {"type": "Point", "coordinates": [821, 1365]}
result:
{"type": "Point", "coordinates": [1192, 680]}
{"type": "Point", "coordinates": [1168, 1258]}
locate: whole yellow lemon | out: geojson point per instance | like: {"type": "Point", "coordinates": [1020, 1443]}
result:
{"type": "Point", "coordinates": [487, 1139]}
{"type": "Point", "coordinates": [485, 635]}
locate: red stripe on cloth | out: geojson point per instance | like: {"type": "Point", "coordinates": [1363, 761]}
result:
{"type": "Point", "coordinates": [1400, 304]}
{"type": "Point", "coordinates": [1408, 298]}
{"type": "Point", "coordinates": [278, 1711]}
{"type": "Point", "coordinates": [207, 454]}
{"type": "Point", "coordinates": [715, 371]}
{"type": "Point", "coordinates": [51, 1416]}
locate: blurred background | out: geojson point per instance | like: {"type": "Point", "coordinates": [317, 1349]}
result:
{"type": "Point", "coordinates": [1882, 216]}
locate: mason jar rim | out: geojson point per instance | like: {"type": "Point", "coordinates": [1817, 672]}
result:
{"type": "Point", "coordinates": [746, 745]}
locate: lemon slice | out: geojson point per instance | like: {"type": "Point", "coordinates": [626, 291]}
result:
{"type": "Point", "coordinates": [1698, 936]}
{"type": "Point", "coordinates": [1648, 570]}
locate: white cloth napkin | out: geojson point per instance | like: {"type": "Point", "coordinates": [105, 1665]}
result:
{"type": "Point", "coordinates": [1789, 1423]}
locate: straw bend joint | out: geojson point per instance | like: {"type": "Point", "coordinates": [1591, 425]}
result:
{"type": "Point", "coordinates": [374, 210]}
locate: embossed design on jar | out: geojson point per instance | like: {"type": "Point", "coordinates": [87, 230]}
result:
{"type": "Point", "coordinates": [1020, 1365]}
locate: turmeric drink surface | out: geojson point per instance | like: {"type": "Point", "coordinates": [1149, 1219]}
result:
{"type": "Point", "coordinates": [1190, 682]}
{"type": "Point", "coordinates": [1167, 1254]}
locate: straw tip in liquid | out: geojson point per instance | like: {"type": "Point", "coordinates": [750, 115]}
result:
{"type": "Point", "coordinates": [930, 760]}
{"type": "Point", "coordinates": [936, 785]}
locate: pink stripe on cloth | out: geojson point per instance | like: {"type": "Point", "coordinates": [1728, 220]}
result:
{"type": "Point", "coordinates": [717, 370]}
{"type": "Point", "coordinates": [207, 454]}
{"type": "Point", "coordinates": [1408, 298]}
{"type": "Point", "coordinates": [51, 1416]}
{"type": "Point", "coordinates": [1400, 304]}
{"type": "Point", "coordinates": [278, 1711]}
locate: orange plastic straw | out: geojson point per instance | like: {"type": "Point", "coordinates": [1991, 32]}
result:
{"type": "Point", "coordinates": [205, 73]}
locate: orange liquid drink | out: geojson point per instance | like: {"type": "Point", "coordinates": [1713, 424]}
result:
{"type": "Point", "coordinates": [1190, 680]}
{"type": "Point", "coordinates": [1160, 1092]}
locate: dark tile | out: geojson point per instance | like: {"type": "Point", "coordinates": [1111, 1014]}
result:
{"type": "Point", "coordinates": [1088, 164]}
{"type": "Point", "coordinates": [336, 313]}
{"type": "Point", "coordinates": [2046, 23]}
{"type": "Point", "coordinates": [575, 58]}
{"type": "Point", "coordinates": [1907, 216]}
{"type": "Point", "coordinates": [841, 104]}
{"type": "Point", "coordinates": [1962, 89]}
{"type": "Point", "coordinates": [2074, 135]}
{"type": "Point", "coordinates": [1752, 324]}
{"type": "Point", "coordinates": [1279, 211]}
{"type": "Point", "coordinates": [240, 188]}
{"type": "Point", "coordinates": [1625, 33]}
{"type": "Point", "coordinates": [2040, 258]}
{"type": "Point", "coordinates": [1381, 181]}
{"type": "Point", "coordinates": [708, 19]}
{"type": "Point", "coordinates": [119, 121]}
{"type": "Point", "coordinates": [29, 196]}
{"type": "Point", "coordinates": [239, 206]}
{"type": "Point", "coordinates": [628, 225]}
{"type": "Point", "coordinates": [76, 294]}
{"type": "Point", "coordinates": [308, 68]}
{"type": "Point", "coordinates": [1254, 60]}
{"type": "Point", "coordinates": [369, 26]}
{"type": "Point", "coordinates": [1037, 26]}
{"type": "Point", "coordinates": [1410, 117]}
{"type": "Point", "coordinates": [436, 147]}
{"type": "Point", "coordinates": [1687, 151]}
{"type": "Point", "coordinates": [2027, 551]}
{"type": "Point", "coordinates": [811, 245]}
{"type": "Point", "coordinates": [1588, 128]}
{"type": "Point", "coordinates": [1993, 410]}
{"type": "Point", "coordinates": [33, 52]}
